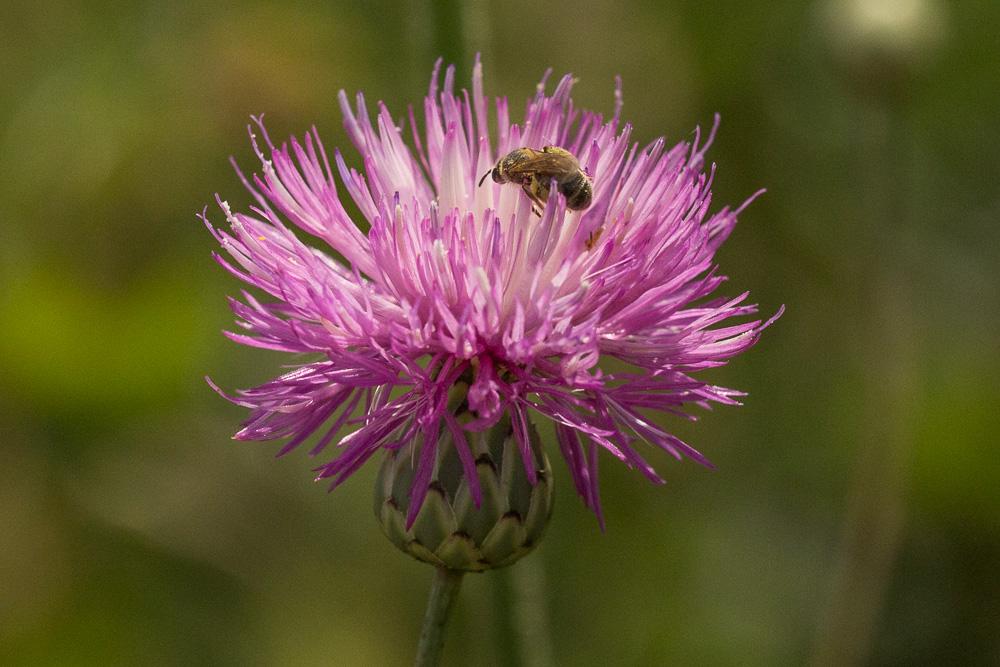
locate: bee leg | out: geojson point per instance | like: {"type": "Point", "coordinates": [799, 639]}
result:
{"type": "Point", "coordinates": [538, 192]}
{"type": "Point", "coordinates": [537, 202]}
{"type": "Point", "coordinates": [537, 205]}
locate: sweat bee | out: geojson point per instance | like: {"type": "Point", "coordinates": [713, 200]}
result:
{"type": "Point", "coordinates": [535, 170]}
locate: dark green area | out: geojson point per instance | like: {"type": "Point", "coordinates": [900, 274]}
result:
{"type": "Point", "coordinates": [854, 516]}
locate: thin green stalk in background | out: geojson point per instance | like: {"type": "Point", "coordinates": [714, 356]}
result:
{"type": "Point", "coordinates": [529, 611]}
{"type": "Point", "coordinates": [444, 591]}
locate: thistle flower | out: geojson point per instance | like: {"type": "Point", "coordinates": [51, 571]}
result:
{"type": "Point", "coordinates": [445, 284]}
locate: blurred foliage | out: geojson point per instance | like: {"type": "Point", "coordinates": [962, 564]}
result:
{"type": "Point", "coordinates": [135, 532]}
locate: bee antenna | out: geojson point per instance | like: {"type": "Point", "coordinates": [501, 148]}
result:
{"type": "Point", "coordinates": [484, 178]}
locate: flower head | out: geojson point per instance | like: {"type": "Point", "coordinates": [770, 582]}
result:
{"type": "Point", "coordinates": [446, 283]}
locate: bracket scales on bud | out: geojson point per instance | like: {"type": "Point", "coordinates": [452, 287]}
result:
{"type": "Point", "coordinates": [450, 531]}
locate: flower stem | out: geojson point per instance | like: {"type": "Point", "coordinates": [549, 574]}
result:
{"type": "Point", "coordinates": [444, 591]}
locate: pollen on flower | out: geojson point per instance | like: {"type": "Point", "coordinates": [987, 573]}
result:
{"type": "Point", "coordinates": [441, 286]}
{"type": "Point", "coordinates": [483, 280]}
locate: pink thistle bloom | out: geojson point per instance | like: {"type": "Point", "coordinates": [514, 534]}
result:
{"type": "Point", "coordinates": [453, 281]}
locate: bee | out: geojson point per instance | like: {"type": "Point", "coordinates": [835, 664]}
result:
{"type": "Point", "coordinates": [535, 170]}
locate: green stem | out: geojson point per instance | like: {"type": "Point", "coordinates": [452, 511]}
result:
{"type": "Point", "coordinates": [529, 614]}
{"type": "Point", "coordinates": [444, 591]}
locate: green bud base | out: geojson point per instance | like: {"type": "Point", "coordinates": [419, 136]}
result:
{"type": "Point", "coordinates": [450, 531]}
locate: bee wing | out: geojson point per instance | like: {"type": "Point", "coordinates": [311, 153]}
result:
{"type": "Point", "coordinates": [545, 166]}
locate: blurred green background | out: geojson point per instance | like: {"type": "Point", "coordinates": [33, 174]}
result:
{"type": "Point", "coordinates": [855, 514]}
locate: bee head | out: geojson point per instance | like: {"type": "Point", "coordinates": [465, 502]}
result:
{"type": "Point", "coordinates": [498, 173]}
{"type": "Point", "coordinates": [495, 172]}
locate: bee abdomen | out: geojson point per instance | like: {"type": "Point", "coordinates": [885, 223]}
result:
{"type": "Point", "coordinates": [577, 190]}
